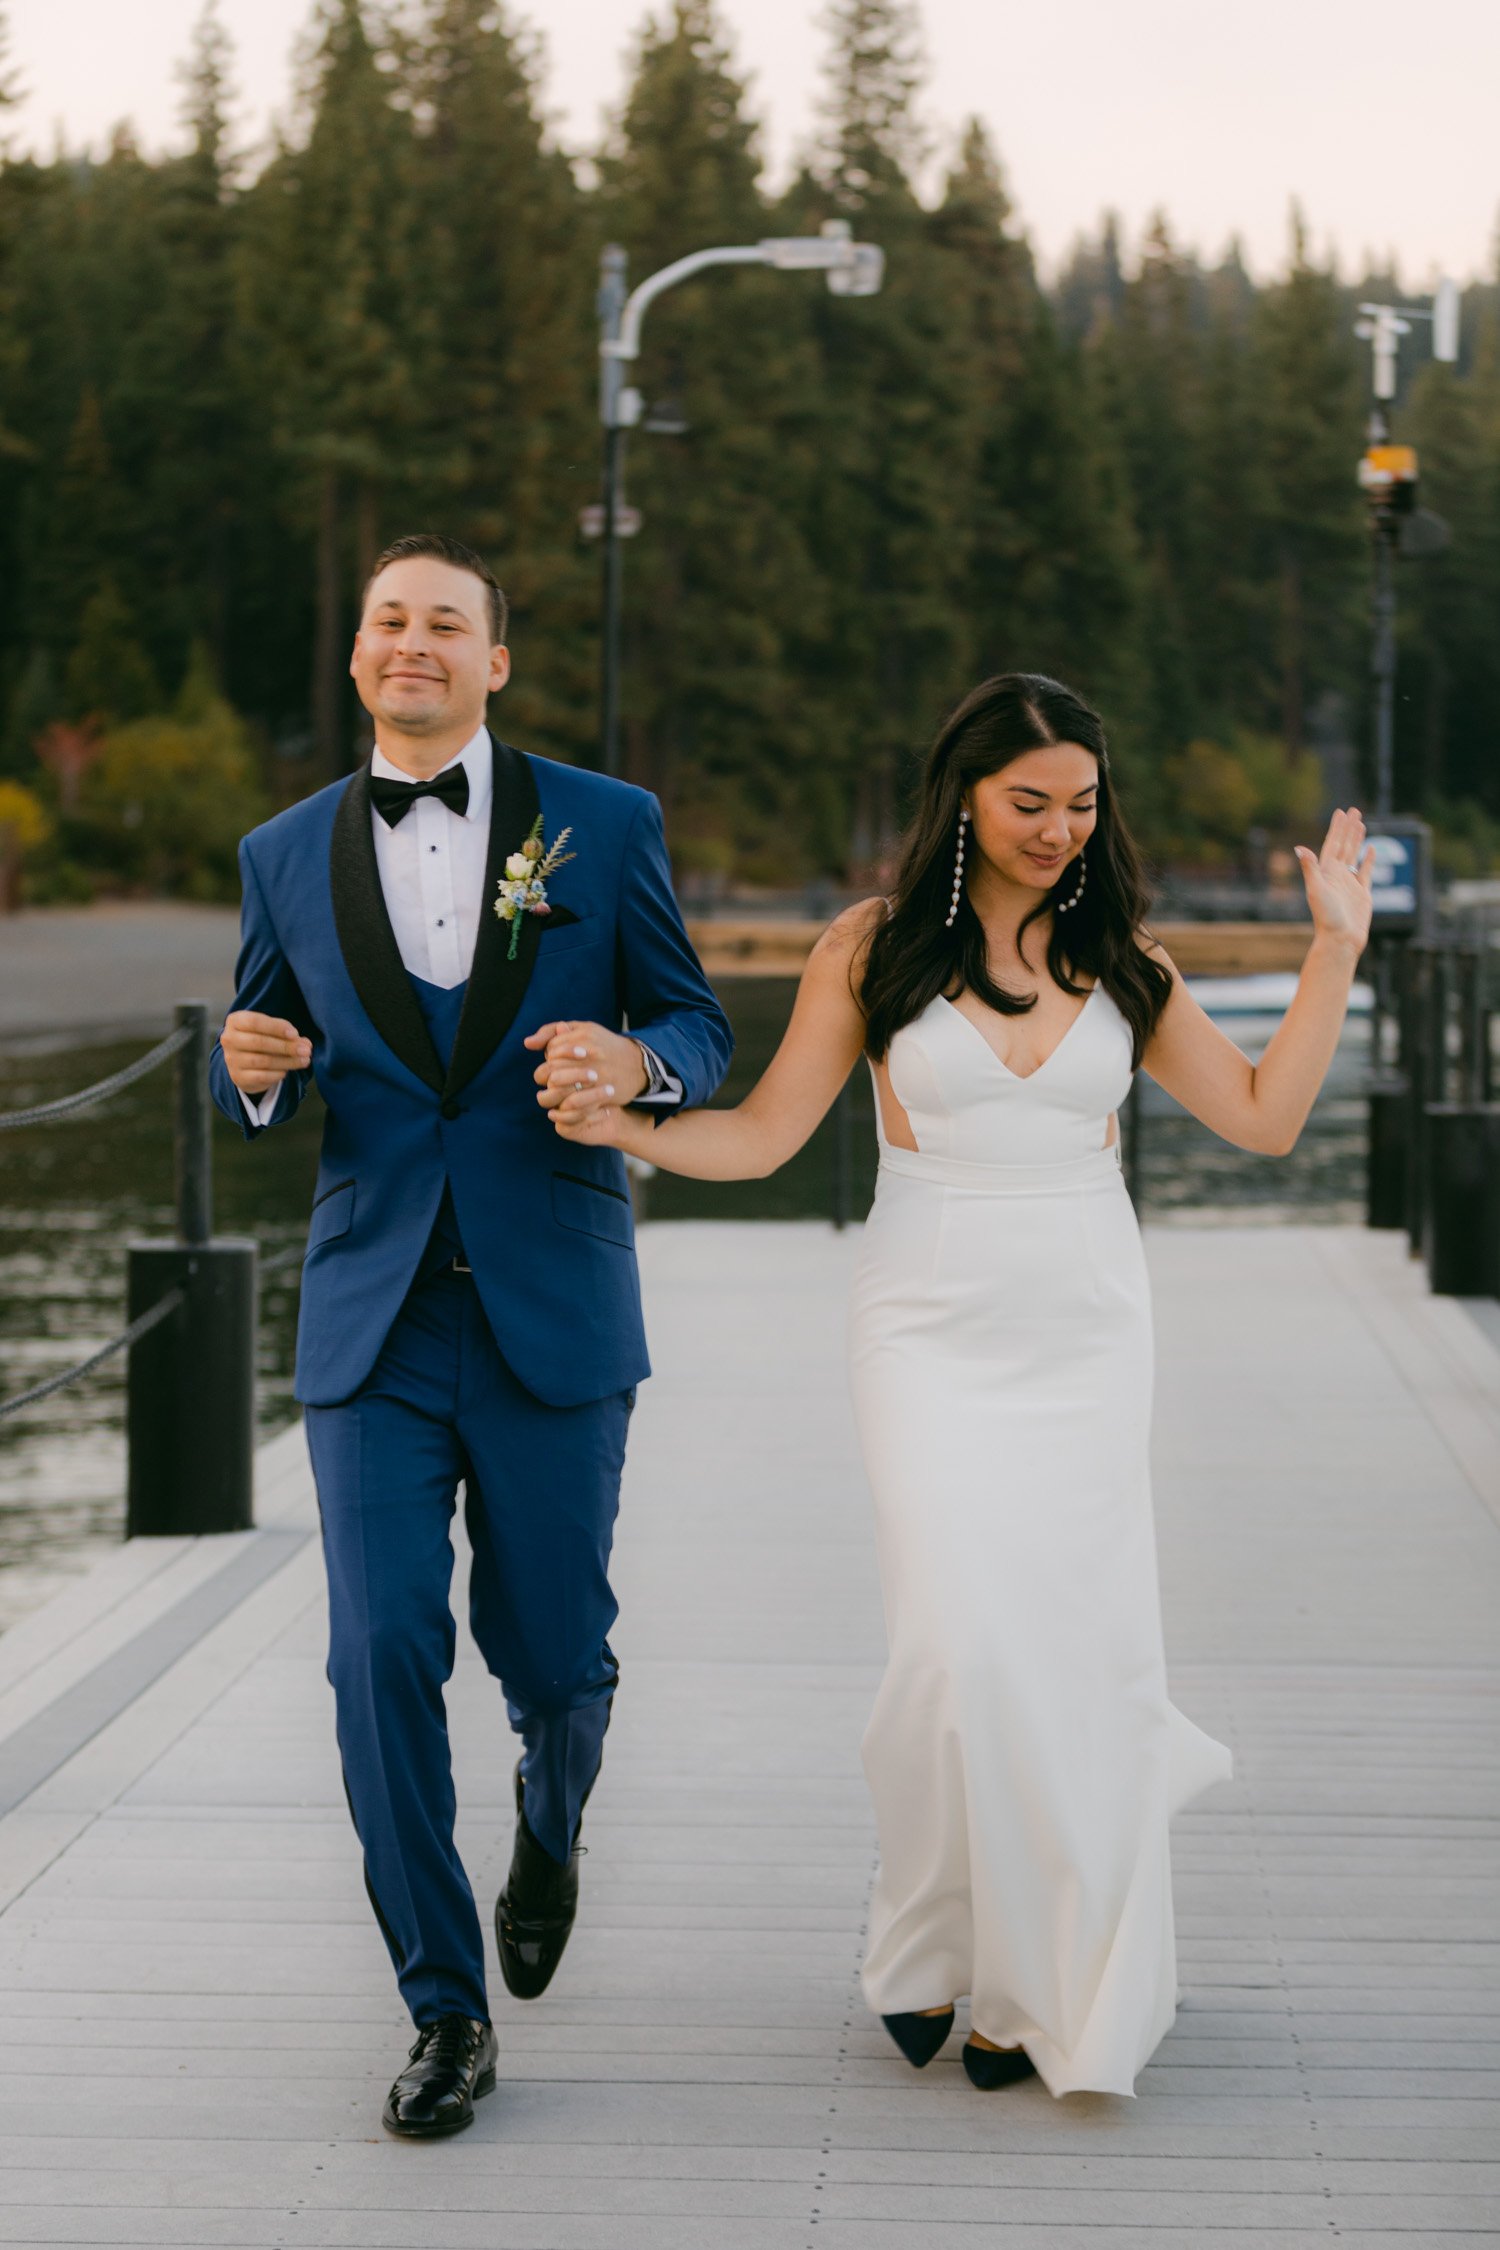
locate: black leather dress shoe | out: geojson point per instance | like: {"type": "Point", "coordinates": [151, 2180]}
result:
{"type": "Point", "coordinates": [449, 2068]}
{"type": "Point", "coordinates": [919, 2036]}
{"type": "Point", "coordinates": [534, 1913]}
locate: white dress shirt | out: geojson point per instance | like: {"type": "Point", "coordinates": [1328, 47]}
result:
{"type": "Point", "coordinates": [431, 866]}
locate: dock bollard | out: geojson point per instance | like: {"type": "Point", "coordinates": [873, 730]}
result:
{"type": "Point", "coordinates": [1389, 1152]}
{"type": "Point", "coordinates": [1425, 1049]}
{"type": "Point", "coordinates": [190, 1405]}
{"type": "Point", "coordinates": [1461, 1230]}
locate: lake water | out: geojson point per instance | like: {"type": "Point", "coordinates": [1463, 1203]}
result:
{"type": "Point", "coordinates": [72, 1194]}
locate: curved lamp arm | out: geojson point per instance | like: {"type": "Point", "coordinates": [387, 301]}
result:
{"type": "Point", "coordinates": [854, 269]}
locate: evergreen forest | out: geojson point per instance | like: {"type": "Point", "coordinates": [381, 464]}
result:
{"type": "Point", "coordinates": [226, 383]}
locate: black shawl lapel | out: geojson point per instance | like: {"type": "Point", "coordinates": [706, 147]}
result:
{"type": "Point", "coordinates": [367, 941]}
{"type": "Point", "coordinates": [497, 985]}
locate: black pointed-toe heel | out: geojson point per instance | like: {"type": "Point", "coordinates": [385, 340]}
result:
{"type": "Point", "coordinates": [989, 2067]}
{"type": "Point", "coordinates": [919, 2037]}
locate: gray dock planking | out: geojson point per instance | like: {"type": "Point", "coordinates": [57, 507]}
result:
{"type": "Point", "coordinates": [199, 2020]}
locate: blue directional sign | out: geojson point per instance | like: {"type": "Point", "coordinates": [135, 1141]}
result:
{"type": "Point", "coordinates": [1403, 873]}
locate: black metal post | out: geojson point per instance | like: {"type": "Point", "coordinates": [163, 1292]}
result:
{"type": "Point", "coordinates": [1426, 1043]}
{"type": "Point", "coordinates": [1461, 1230]}
{"type": "Point", "coordinates": [190, 1404]}
{"type": "Point", "coordinates": [1473, 1028]}
{"type": "Point", "coordinates": [611, 307]}
{"type": "Point", "coordinates": [1387, 1156]}
{"type": "Point", "coordinates": [192, 1146]}
{"type": "Point", "coordinates": [609, 682]}
{"type": "Point", "coordinates": [1383, 660]}
{"type": "Point", "coordinates": [1484, 1022]}
{"type": "Point", "coordinates": [190, 1409]}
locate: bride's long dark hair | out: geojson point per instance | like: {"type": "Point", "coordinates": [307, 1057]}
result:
{"type": "Point", "coordinates": [913, 956]}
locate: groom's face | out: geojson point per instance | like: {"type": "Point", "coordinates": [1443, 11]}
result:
{"type": "Point", "coordinates": [423, 660]}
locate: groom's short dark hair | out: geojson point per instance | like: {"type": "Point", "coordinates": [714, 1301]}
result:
{"type": "Point", "coordinates": [449, 551]}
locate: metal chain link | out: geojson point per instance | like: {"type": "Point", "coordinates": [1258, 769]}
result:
{"type": "Point", "coordinates": [291, 1255]}
{"type": "Point", "coordinates": [175, 1041]}
{"type": "Point", "coordinates": [138, 1328]}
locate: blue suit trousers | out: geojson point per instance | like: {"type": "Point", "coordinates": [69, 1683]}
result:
{"type": "Point", "coordinates": [440, 1408]}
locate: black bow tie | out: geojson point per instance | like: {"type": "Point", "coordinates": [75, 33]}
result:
{"type": "Point", "coordinates": [393, 800]}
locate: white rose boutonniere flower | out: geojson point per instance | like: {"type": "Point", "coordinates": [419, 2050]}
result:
{"type": "Point", "coordinates": [523, 886]}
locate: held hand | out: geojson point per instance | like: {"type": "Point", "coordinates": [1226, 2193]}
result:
{"type": "Point", "coordinates": [258, 1050]}
{"type": "Point", "coordinates": [585, 1068]}
{"type": "Point", "coordinates": [608, 1126]}
{"type": "Point", "coordinates": [1338, 881]}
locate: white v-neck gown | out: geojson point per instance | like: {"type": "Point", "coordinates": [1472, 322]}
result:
{"type": "Point", "coordinates": [1023, 1755]}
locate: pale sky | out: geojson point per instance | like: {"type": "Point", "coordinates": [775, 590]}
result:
{"type": "Point", "coordinates": [1379, 115]}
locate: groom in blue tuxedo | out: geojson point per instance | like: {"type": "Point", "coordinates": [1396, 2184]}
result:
{"type": "Point", "coordinates": [470, 1303]}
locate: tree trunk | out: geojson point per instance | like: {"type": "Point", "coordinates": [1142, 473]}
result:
{"type": "Point", "coordinates": [366, 531]}
{"type": "Point", "coordinates": [218, 594]}
{"type": "Point", "coordinates": [328, 649]}
{"type": "Point", "coordinates": [1293, 686]}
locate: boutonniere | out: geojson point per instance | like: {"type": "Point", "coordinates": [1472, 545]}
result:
{"type": "Point", "coordinates": [523, 886]}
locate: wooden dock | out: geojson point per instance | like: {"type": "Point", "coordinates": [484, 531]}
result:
{"type": "Point", "coordinates": [199, 2020]}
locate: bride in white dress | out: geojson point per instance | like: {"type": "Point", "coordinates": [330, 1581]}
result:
{"type": "Point", "coordinates": [1023, 1755]}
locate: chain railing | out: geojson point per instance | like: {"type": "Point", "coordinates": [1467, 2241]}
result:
{"type": "Point", "coordinates": [190, 1333]}
{"type": "Point", "coordinates": [121, 1343]}
{"type": "Point", "coordinates": [12, 1120]}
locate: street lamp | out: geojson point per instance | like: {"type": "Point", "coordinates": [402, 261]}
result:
{"type": "Point", "coordinates": [852, 269]}
{"type": "Point", "coordinates": [1388, 474]}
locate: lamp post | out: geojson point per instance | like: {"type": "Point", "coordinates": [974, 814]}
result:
{"type": "Point", "coordinates": [852, 269]}
{"type": "Point", "coordinates": [1388, 474]}
{"type": "Point", "coordinates": [1402, 888]}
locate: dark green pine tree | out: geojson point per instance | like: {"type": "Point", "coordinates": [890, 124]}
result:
{"type": "Point", "coordinates": [1307, 374]}
{"type": "Point", "coordinates": [81, 528]}
{"type": "Point", "coordinates": [1091, 286]}
{"type": "Point", "coordinates": [1053, 571]}
{"type": "Point", "coordinates": [718, 579]}
{"type": "Point", "coordinates": [9, 89]}
{"type": "Point", "coordinates": [1149, 358]}
{"type": "Point", "coordinates": [989, 278]}
{"type": "Point", "coordinates": [1448, 646]}
{"type": "Point", "coordinates": [336, 331]}
{"type": "Point", "coordinates": [15, 708]}
{"type": "Point", "coordinates": [506, 451]}
{"type": "Point", "coordinates": [892, 523]}
{"type": "Point", "coordinates": [1228, 560]}
{"type": "Point", "coordinates": [186, 428]}
{"type": "Point", "coordinates": [79, 261]}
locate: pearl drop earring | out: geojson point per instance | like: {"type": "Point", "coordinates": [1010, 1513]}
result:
{"type": "Point", "coordinates": [1064, 905]}
{"type": "Point", "coordinates": [958, 867]}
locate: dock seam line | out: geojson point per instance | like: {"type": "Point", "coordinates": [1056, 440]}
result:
{"type": "Point", "coordinates": [47, 1741]}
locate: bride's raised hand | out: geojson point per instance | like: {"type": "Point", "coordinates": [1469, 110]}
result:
{"type": "Point", "coordinates": [1338, 880]}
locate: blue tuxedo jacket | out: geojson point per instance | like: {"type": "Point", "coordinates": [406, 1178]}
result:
{"type": "Point", "coordinates": [546, 1225]}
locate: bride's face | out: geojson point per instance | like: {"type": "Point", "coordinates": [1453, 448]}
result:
{"type": "Point", "coordinates": [1035, 815]}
